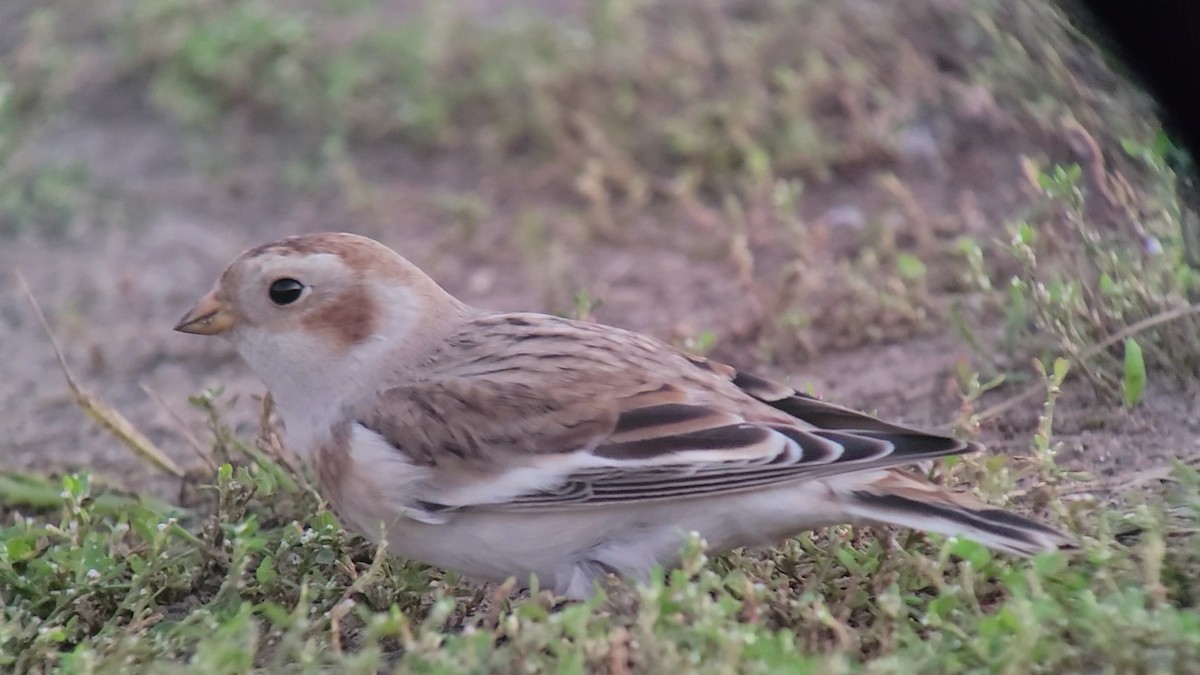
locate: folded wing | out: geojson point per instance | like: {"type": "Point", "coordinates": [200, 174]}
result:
{"type": "Point", "coordinates": [500, 444]}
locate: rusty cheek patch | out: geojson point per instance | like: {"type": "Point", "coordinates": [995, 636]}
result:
{"type": "Point", "coordinates": [349, 317]}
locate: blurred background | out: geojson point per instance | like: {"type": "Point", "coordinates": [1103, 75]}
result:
{"type": "Point", "coordinates": [886, 203]}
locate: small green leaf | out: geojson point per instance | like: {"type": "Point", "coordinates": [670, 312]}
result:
{"type": "Point", "coordinates": [975, 553]}
{"type": "Point", "coordinates": [266, 573]}
{"type": "Point", "coordinates": [19, 549]}
{"type": "Point", "coordinates": [1061, 366]}
{"type": "Point", "coordinates": [1026, 234]}
{"type": "Point", "coordinates": [1058, 291]}
{"type": "Point", "coordinates": [1045, 181]}
{"type": "Point", "coordinates": [1050, 565]}
{"type": "Point", "coordinates": [1161, 145]}
{"type": "Point", "coordinates": [1134, 383]}
{"type": "Point", "coordinates": [701, 343]}
{"type": "Point", "coordinates": [1133, 148]}
{"type": "Point", "coordinates": [275, 614]}
{"type": "Point", "coordinates": [910, 266]}
{"type": "Point", "coordinates": [758, 162]}
{"type": "Point", "coordinates": [846, 557]}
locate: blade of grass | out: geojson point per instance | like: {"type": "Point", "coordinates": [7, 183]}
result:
{"type": "Point", "coordinates": [1134, 382]}
{"type": "Point", "coordinates": [100, 412]}
{"type": "Point", "coordinates": [41, 492]}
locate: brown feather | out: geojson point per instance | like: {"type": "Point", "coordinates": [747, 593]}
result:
{"type": "Point", "coordinates": [508, 389]}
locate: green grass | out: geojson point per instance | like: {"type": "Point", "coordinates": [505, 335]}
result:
{"type": "Point", "coordinates": [634, 125]}
{"type": "Point", "coordinates": [1077, 286]}
{"type": "Point", "coordinates": [258, 573]}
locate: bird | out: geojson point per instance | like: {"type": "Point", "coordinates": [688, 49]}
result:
{"type": "Point", "coordinates": [552, 451]}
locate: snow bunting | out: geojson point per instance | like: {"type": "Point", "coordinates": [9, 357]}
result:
{"type": "Point", "coordinates": [519, 444]}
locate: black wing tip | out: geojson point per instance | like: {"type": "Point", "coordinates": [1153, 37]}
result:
{"type": "Point", "coordinates": [993, 527]}
{"type": "Point", "coordinates": [832, 417]}
{"type": "Point", "coordinates": [761, 388]}
{"type": "Point", "coordinates": [918, 444]}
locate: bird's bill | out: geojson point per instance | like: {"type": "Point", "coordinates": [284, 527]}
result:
{"type": "Point", "coordinates": [208, 317]}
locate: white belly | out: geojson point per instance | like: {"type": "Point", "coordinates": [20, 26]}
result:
{"type": "Point", "coordinates": [567, 550]}
{"type": "Point", "coordinates": [566, 547]}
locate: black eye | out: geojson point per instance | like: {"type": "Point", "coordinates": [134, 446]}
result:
{"type": "Point", "coordinates": [285, 291]}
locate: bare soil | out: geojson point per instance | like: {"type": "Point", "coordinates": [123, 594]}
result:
{"type": "Point", "coordinates": [113, 291]}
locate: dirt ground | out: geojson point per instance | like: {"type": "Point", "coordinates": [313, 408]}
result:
{"type": "Point", "coordinates": [113, 292]}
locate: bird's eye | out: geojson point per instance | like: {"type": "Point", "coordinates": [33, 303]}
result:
{"type": "Point", "coordinates": [285, 291]}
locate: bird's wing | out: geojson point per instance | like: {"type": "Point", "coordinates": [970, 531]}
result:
{"type": "Point", "coordinates": [558, 416]}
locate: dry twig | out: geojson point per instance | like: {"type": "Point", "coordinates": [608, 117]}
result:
{"type": "Point", "coordinates": [103, 414]}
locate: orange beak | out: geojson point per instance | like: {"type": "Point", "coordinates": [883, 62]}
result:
{"type": "Point", "coordinates": [208, 317]}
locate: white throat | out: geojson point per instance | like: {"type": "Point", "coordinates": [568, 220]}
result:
{"type": "Point", "coordinates": [314, 383]}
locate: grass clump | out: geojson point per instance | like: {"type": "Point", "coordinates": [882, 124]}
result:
{"type": "Point", "coordinates": [1101, 296]}
{"type": "Point", "coordinates": [256, 573]}
{"type": "Point", "coordinates": [1100, 256]}
{"type": "Point", "coordinates": [209, 56]}
{"type": "Point", "coordinates": [143, 588]}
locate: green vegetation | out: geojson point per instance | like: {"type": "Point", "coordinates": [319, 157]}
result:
{"type": "Point", "coordinates": [714, 127]}
{"type": "Point", "coordinates": [1096, 283]}
{"type": "Point", "coordinates": [258, 574]}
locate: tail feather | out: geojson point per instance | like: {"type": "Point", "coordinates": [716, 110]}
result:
{"type": "Point", "coordinates": [907, 502]}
